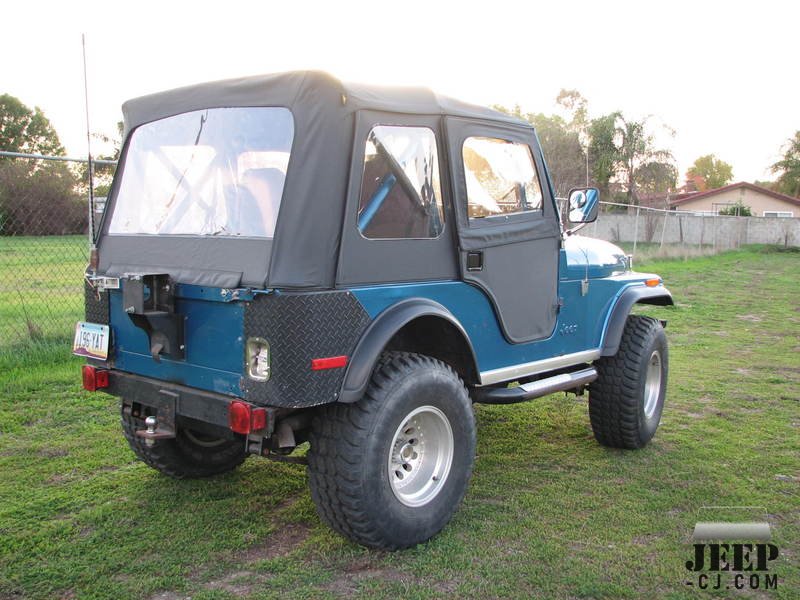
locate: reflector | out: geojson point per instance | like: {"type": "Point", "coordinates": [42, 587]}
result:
{"type": "Point", "coordinates": [332, 362]}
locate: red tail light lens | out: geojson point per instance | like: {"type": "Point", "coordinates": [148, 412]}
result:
{"type": "Point", "coordinates": [239, 415]}
{"type": "Point", "coordinates": [94, 378]}
{"type": "Point", "coordinates": [244, 419]}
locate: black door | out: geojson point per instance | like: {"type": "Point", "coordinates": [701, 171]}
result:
{"type": "Point", "coordinates": [508, 229]}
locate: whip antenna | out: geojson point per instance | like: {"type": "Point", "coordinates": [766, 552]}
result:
{"type": "Point", "coordinates": [93, 255]}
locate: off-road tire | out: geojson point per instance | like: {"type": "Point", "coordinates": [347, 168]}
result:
{"type": "Point", "coordinates": [182, 457]}
{"type": "Point", "coordinates": [351, 444]}
{"type": "Point", "coordinates": [618, 397]}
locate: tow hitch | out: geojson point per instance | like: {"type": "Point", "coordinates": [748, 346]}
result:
{"type": "Point", "coordinates": [153, 432]}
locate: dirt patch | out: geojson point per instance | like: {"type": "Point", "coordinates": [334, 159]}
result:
{"type": "Point", "coordinates": [239, 583]}
{"type": "Point", "coordinates": [57, 479]}
{"type": "Point", "coordinates": [280, 543]}
{"type": "Point", "coordinates": [53, 452]}
{"type": "Point", "coordinates": [170, 596]}
{"type": "Point", "coordinates": [751, 318]}
{"type": "Point", "coordinates": [358, 571]}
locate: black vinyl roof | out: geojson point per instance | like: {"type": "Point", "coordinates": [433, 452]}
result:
{"type": "Point", "coordinates": [304, 251]}
{"type": "Point", "coordinates": [295, 88]}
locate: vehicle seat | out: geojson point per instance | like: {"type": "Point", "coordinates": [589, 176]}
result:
{"type": "Point", "coordinates": [265, 186]}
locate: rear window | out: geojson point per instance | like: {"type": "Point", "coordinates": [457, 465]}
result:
{"type": "Point", "coordinates": [218, 171]}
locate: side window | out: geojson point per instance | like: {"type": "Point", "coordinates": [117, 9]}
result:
{"type": "Point", "coordinates": [501, 178]}
{"type": "Point", "coordinates": [400, 190]}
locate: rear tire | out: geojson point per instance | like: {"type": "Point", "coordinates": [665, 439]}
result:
{"type": "Point", "coordinates": [390, 470]}
{"type": "Point", "coordinates": [189, 455]}
{"type": "Point", "coordinates": [627, 398]}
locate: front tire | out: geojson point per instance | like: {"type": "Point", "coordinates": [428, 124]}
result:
{"type": "Point", "coordinates": [627, 398]}
{"type": "Point", "coordinates": [189, 455]}
{"type": "Point", "coordinates": [390, 470]}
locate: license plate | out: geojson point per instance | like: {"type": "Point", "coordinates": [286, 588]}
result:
{"type": "Point", "coordinates": [91, 340]}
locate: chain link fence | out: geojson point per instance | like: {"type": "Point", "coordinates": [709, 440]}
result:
{"type": "Point", "coordinates": [44, 249]}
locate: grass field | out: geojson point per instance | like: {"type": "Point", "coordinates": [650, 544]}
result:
{"type": "Point", "coordinates": [41, 289]}
{"type": "Point", "coordinates": [549, 512]}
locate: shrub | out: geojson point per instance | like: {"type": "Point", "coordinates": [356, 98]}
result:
{"type": "Point", "coordinates": [40, 202]}
{"type": "Point", "coordinates": [736, 210]}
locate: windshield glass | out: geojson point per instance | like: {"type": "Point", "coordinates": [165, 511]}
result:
{"type": "Point", "coordinates": [218, 171]}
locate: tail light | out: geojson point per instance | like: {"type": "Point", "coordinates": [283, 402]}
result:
{"type": "Point", "coordinates": [94, 378]}
{"type": "Point", "coordinates": [244, 418]}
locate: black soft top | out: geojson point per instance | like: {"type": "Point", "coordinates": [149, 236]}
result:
{"type": "Point", "coordinates": [299, 90]}
{"type": "Point", "coordinates": [305, 249]}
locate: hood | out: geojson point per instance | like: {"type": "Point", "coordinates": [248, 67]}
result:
{"type": "Point", "coordinates": [593, 258]}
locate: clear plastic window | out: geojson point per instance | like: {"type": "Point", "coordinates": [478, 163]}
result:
{"type": "Point", "coordinates": [501, 178]}
{"type": "Point", "coordinates": [400, 190]}
{"type": "Point", "coordinates": [218, 171]}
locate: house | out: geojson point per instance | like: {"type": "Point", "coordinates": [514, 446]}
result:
{"type": "Point", "coordinates": [761, 201]}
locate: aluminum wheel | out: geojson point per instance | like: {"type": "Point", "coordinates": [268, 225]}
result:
{"type": "Point", "coordinates": [420, 456]}
{"type": "Point", "coordinates": [652, 384]}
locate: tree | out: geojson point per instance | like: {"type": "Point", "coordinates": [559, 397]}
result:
{"type": "Point", "coordinates": [577, 107]}
{"type": "Point", "coordinates": [603, 152]}
{"type": "Point", "coordinates": [635, 149]}
{"type": "Point", "coordinates": [715, 173]}
{"type": "Point", "coordinates": [561, 148]}
{"type": "Point", "coordinates": [656, 177]}
{"type": "Point", "coordinates": [44, 202]}
{"type": "Point", "coordinates": [103, 174]}
{"type": "Point", "coordinates": [788, 168]}
{"type": "Point", "coordinates": [36, 197]}
{"type": "Point", "coordinates": [26, 130]}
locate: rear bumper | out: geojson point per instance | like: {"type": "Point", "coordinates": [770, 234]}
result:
{"type": "Point", "coordinates": [172, 402]}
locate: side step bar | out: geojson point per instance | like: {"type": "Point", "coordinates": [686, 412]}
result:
{"type": "Point", "coordinates": [535, 389]}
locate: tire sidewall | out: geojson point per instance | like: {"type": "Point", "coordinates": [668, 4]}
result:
{"type": "Point", "coordinates": [656, 340]}
{"type": "Point", "coordinates": [427, 386]}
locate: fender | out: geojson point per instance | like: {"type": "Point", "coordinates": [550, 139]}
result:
{"type": "Point", "coordinates": [381, 331]}
{"type": "Point", "coordinates": [622, 308]}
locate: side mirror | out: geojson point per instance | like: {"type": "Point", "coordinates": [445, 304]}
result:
{"type": "Point", "coordinates": [583, 205]}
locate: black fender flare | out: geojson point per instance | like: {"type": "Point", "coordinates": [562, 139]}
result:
{"type": "Point", "coordinates": [622, 308]}
{"type": "Point", "coordinates": [380, 332]}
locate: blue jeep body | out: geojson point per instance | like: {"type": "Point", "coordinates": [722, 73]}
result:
{"type": "Point", "coordinates": [215, 348]}
{"type": "Point", "coordinates": [275, 247]}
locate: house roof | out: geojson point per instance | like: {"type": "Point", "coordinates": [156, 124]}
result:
{"type": "Point", "coordinates": [742, 184]}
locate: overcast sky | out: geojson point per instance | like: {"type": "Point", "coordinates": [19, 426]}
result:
{"type": "Point", "coordinates": [723, 75]}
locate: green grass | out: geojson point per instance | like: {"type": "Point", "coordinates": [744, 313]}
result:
{"type": "Point", "coordinates": [549, 512]}
{"type": "Point", "coordinates": [41, 289]}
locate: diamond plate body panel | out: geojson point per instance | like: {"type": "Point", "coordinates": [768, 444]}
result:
{"type": "Point", "coordinates": [96, 305]}
{"type": "Point", "coordinates": [300, 327]}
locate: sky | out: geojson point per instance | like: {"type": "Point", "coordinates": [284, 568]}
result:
{"type": "Point", "coordinates": [722, 75]}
